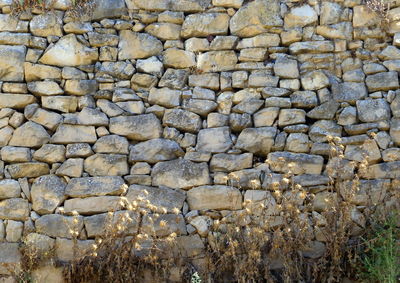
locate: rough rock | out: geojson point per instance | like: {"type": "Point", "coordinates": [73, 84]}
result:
{"type": "Point", "coordinates": [14, 209]}
{"type": "Point", "coordinates": [56, 225]}
{"type": "Point", "coordinates": [257, 140]}
{"type": "Point", "coordinates": [133, 45]}
{"type": "Point", "coordinates": [111, 144]}
{"type": "Point", "coordinates": [47, 193]}
{"type": "Point", "coordinates": [95, 186]}
{"type": "Point", "coordinates": [205, 24]}
{"type": "Point", "coordinates": [68, 51]}
{"type": "Point", "coordinates": [12, 63]}
{"type": "Point", "coordinates": [182, 120]}
{"type": "Point", "coordinates": [180, 174]}
{"type": "Point", "coordinates": [29, 134]}
{"type": "Point", "coordinates": [223, 162]}
{"type": "Point", "coordinates": [9, 189]}
{"type": "Point", "coordinates": [214, 140]}
{"type": "Point", "coordinates": [141, 127]}
{"type": "Point", "coordinates": [106, 165]}
{"type": "Point", "coordinates": [74, 134]}
{"type": "Point", "coordinates": [302, 163]}
{"type": "Point", "coordinates": [214, 197]}
{"type": "Point", "coordinates": [155, 150]}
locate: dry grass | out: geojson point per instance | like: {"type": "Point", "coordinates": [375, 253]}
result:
{"type": "Point", "coordinates": [80, 7]}
{"type": "Point", "coordinates": [271, 241]}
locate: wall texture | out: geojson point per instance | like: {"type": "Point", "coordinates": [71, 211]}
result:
{"type": "Point", "coordinates": [195, 101]}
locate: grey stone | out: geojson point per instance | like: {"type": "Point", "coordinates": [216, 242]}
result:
{"type": "Point", "coordinates": [382, 81]}
{"type": "Point", "coordinates": [257, 140]}
{"type": "Point", "coordinates": [161, 197]}
{"type": "Point", "coordinates": [214, 140]}
{"type": "Point", "coordinates": [165, 97]}
{"type": "Point", "coordinates": [14, 209]}
{"type": "Point", "coordinates": [155, 150]}
{"type": "Point", "coordinates": [47, 193]}
{"type": "Point", "coordinates": [134, 45]}
{"type": "Point", "coordinates": [140, 127]}
{"type": "Point", "coordinates": [12, 63]}
{"type": "Point", "coordinates": [95, 186]}
{"type": "Point", "coordinates": [349, 91]}
{"type": "Point", "coordinates": [152, 225]}
{"type": "Point", "coordinates": [56, 225]}
{"type": "Point", "coordinates": [180, 174]}
{"type": "Point", "coordinates": [302, 163]}
{"type": "Point", "coordinates": [9, 189]}
{"type": "Point", "coordinates": [214, 197]}
{"type": "Point", "coordinates": [182, 120]}
{"type": "Point", "coordinates": [205, 24]}
{"type": "Point", "coordinates": [223, 162]}
{"type": "Point", "coordinates": [373, 110]}
{"type": "Point", "coordinates": [101, 164]}
{"type": "Point", "coordinates": [66, 134]}
{"type": "Point", "coordinates": [93, 205]}
{"type": "Point", "coordinates": [28, 169]}
{"type": "Point", "coordinates": [323, 128]}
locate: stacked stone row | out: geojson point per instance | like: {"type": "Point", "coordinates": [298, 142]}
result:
{"type": "Point", "coordinates": [192, 104]}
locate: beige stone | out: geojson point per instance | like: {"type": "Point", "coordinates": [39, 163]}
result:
{"type": "Point", "coordinates": [29, 134]}
{"type": "Point", "coordinates": [203, 25]}
{"type": "Point", "coordinates": [64, 104]}
{"type": "Point", "coordinates": [106, 165]}
{"type": "Point", "coordinates": [180, 59]}
{"type": "Point", "coordinates": [47, 193]}
{"type": "Point", "coordinates": [164, 31]}
{"type": "Point", "coordinates": [14, 209]}
{"type": "Point", "coordinates": [140, 127]}
{"type": "Point", "coordinates": [34, 72]}
{"type": "Point", "coordinates": [302, 163]}
{"type": "Point", "coordinates": [50, 153]}
{"type": "Point", "coordinates": [134, 45]}
{"type": "Point", "coordinates": [74, 133]}
{"type": "Point", "coordinates": [28, 169]}
{"type": "Point", "coordinates": [12, 63]}
{"type": "Point", "coordinates": [93, 205]}
{"type": "Point", "coordinates": [255, 18]}
{"type": "Point", "coordinates": [214, 197]}
{"type": "Point", "coordinates": [16, 101]}
{"type": "Point", "coordinates": [47, 24]}
{"type": "Point", "coordinates": [44, 88]}
{"type": "Point", "coordinates": [300, 16]}
{"type": "Point", "coordinates": [68, 51]}
{"type": "Point", "coordinates": [217, 61]}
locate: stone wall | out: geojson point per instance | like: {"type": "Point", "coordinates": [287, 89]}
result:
{"type": "Point", "coordinates": [195, 101]}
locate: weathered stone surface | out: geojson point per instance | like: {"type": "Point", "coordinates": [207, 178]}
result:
{"type": "Point", "coordinates": [180, 174]}
{"type": "Point", "coordinates": [14, 209]}
{"type": "Point", "coordinates": [47, 24]}
{"type": "Point", "coordinates": [74, 133]}
{"type": "Point", "coordinates": [72, 167]}
{"type": "Point", "coordinates": [10, 257]}
{"type": "Point", "coordinates": [152, 225]}
{"type": "Point", "coordinates": [382, 81]}
{"type": "Point", "coordinates": [203, 25]}
{"type": "Point", "coordinates": [106, 165]}
{"type": "Point", "coordinates": [108, 9]}
{"type": "Point", "coordinates": [369, 149]}
{"type": "Point", "coordinates": [256, 140]}
{"type": "Point", "coordinates": [223, 162]}
{"type": "Point", "coordinates": [364, 17]}
{"type": "Point", "coordinates": [50, 153]}
{"type": "Point", "coordinates": [217, 61]}
{"type": "Point", "coordinates": [28, 169]}
{"type": "Point", "coordinates": [155, 150]}
{"type": "Point", "coordinates": [141, 127]}
{"type": "Point", "coordinates": [266, 117]}
{"type": "Point", "coordinates": [35, 72]}
{"type": "Point", "coordinates": [311, 47]}
{"type": "Point", "coordinates": [302, 163]}
{"type": "Point", "coordinates": [199, 106]}
{"type": "Point", "coordinates": [95, 186]}
{"type": "Point", "coordinates": [9, 189]}
{"type": "Point", "coordinates": [300, 16]}
{"type": "Point", "coordinates": [44, 88]}
{"type": "Point", "coordinates": [324, 111]}
{"type": "Point", "coordinates": [164, 31]}
{"type": "Point", "coordinates": [111, 144]}
{"type": "Point", "coordinates": [92, 117]}
{"type": "Point", "coordinates": [286, 68]}
{"type": "Point", "coordinates": [93, 205]}
{"type": "Point", "coordinates": [349, 92]}
{"type": "Point", "coordinates": [323, 128]}
{"type": "Point", "coordinates": [373, 110]}
{"type": "Point", "coordinates": [255, 18]}
{"type": "Point", "coordinates": [68, 51]}
{"type": "Point", "coordinates": [97, 225]}
{"type": "Point", "coordinates": [12, 63]}
{"type": "Point", "coordinates": [165, 97]}
{"type": "Point", "coordinates": [298, 142]}
{"type": "Point", "coordinates": [133, 45]}
{"type": "Point", "coordinates": [181, 5]}
{"type": "Point", "coordinates": [387, 170]}
{"type": "Point", "coordinates": [56, 225]}
{"type": "Point", "coordinates": [179, 59]}
{"type": "Point", "coordinates": [395, 130]}
{"type": "Point", "coordinates": [291, 116]}
{"type": "Point", "coordinates": [64, 104]}
{"type": "Point", "coordinates": [16, 101]}
{"type": "Point", "coordinates": [214, 197]}
{"type": "Point", "coordinates": [182, 120]}
{"type": "Point", "coordinates": [81, 87]}
{"type": "Point", "coordinates": [161, 197]}
{"type": "Point", "coordinates": [214, 140]}
{"type": "Point", "coordinates": [47, 193]}
{"type": "Point", "coordinates": [29, 134]}
{"type": "Point", "coordinates": [314, 80]}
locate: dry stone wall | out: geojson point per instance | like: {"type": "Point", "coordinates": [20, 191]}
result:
{"type": "Point", "coordinates": [195, 101]}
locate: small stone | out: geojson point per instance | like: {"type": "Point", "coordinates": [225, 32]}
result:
{"type": "Point", "coordinates": [286, 68]}
{"type": "Point", "coordinates": [47, 24]}
{"type": "Point", "coordinates": [16, 101]}
{"type": "Point", "coordinates": [298, 142]}
{"type": "Point", "coordinates": [217, 61]}
{"type": "Point", "coordinates": [265, 117]}
{"type": "Point", "coordinates": [12, 63]}
{"type": "Point", "coordinates": [166, 97]}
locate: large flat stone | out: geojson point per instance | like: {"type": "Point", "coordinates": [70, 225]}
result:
{"type": "Point", "coordinates": [95, 186]}
{"type": "Point", "coordinates": [66, 134]}
{"type": "Point", "coordinates": [214, 197]}
{"type": "Point", "coordinates": [180, 174]}
{"type": "Point", "coordinates": [302, 163]}
{"type": "Point", "coordinates": [56, 225]}
{"type": "Point", "coordinates": [14, 209]}
{"type": "Point", "coordinates": [155, 150]}
{"type": "Point", "coordinates": [257, 140]}
{"type": "Point", "coordinates": [133, 45]}
{"type": "Point", "coordinates": [12, 63]}
{"type": "Point", "coordinates": [173, 5]}
{"type": "Point", "coordinates": [141, 127]}
{"type": "Point", "coordinates": [93, 205]}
